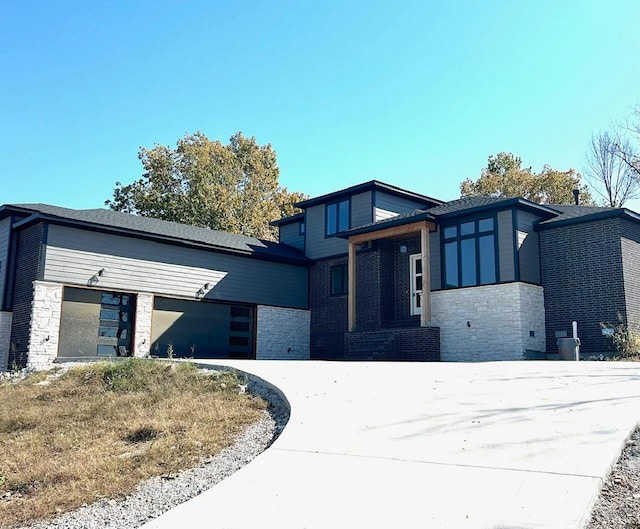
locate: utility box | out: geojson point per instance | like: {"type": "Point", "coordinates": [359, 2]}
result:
{"type": "Point", "coordinates": [569, 348]}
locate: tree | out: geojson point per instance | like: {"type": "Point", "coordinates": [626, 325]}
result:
{"type": "Point", "coordinates": [504, 176]}
{"type": "Point", "coordinates": [628, 150]}
{"type": "Point", "coordinates": [204, 183]}
{"type": "Point", "coordinates": [608, 169]}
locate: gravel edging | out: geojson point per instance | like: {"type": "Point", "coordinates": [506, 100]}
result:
{"type": "Point", "coordinates": [618, 505]}
{"type": "Point", "coordinates": [158, 495]}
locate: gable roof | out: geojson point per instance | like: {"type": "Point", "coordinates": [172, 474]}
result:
{"type": "Point", "coordinates": [370, 186]}
{"type": "Point", "coordinates": [107, 220]}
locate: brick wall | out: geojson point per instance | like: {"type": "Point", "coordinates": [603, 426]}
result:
{"type": "Point", "coordinates": [5, 339]}
{"type": "Point", "coordinates": [491, 322]}
{"type": "Point", "coordinates": [328, 313]}
{"type": "Point", "coordinates": [582, 276]}
{"type": "Point", "coordinates": [329, 317]}
{"type": "Point", "coordinates": [45, 324]}
{"type": "Point", "coordinates": [282, 333]}
{"type": "Point", "coordinates": [419, 344]}
{"type": "Point", "coordinates": [29, 250]}
{"type": "Point", "coordinates": [144, 312]}
{"type": "Point", "coordinates": [630, 244]}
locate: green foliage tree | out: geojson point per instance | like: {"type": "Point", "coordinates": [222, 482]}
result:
{"type": "Point", "coordinates": [504, 176]}
{"type": "Point", "coordinates": [204, 183]}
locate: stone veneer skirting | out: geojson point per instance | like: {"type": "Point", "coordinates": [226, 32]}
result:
{"type": "Point", "coordinates": [492, 322]}
{"type": "Point", "coordinates": [282, 333]}
{"type": "Point", "coordinates": [5, 339]}
{"type": "Point", "coordinates": [45, 324]}
{"type": "Point", "coordinates": [142, 335]}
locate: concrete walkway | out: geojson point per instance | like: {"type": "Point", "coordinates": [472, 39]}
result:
{"type": "Point", "coordinates": [404, 445]}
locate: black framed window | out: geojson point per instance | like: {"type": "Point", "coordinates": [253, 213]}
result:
{"type": "Point", "coordinates": [337, 216]}
{"type": "Point", "coordinates": [339, 280]}
{"type": "Point", "coordinates": [114, 331]}
{"type": "Point", "coordinates": [469, 253]}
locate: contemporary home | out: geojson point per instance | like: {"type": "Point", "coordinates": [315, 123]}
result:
{"type": "Point", "coordinates": [368, 272]}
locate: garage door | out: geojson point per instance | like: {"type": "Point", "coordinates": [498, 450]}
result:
{"type": "Point", "coordinates": [201, 329]}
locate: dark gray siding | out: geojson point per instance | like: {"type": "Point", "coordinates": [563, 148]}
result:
{"type": "Point", "coordinates": [73, 256]}
{"type": "Point", "coordinates": [29, 254]}
{"type": "Point", "coordinates": [528, 248]}
{"type": "Point", "coordinates": [582, 276]}
{"type": "Point", "coordinates": [387, 205]}
{"type": "Point", "coordinates": [361, 209]}
{"type": "Point", "coordinates": [436, 269]}
{"type": "Point", "coordinates": [290, 234]}
{"type": "Point", "coordinates": [631, 269]}
{"type": "Point", "coordinates": [5, 237]}
{"type": "Point", "coordinates": [506, 255]}
{"type": "Point", "coordinates": [317, 245]}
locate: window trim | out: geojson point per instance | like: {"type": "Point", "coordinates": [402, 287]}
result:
{"type": "Point", "coordinates": [344, 280]}
{"type": "Point", "coordinates": [458, 238]}
{"type": "Point", "coordinates": [337, 217]}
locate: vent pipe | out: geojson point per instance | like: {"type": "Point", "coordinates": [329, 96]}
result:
{"type": "Point", "coordinates": [576, 197]}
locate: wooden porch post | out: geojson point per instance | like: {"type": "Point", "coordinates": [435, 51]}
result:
{"type": "Point", "coordinates": [351, 297]}
{"type": "Point", "coordinates": [425, 316]}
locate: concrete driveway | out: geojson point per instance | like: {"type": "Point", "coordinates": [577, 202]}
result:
{"type": "Point", "coordinates": [428, 445]}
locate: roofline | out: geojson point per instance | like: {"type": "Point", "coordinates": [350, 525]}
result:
{"type": "Point", "coordinates": [386, 223]}
{"type": "Point", "coordinates": [614, 212]}
{"type": "Point", "coordinates": [519, 202]}
{"type": "Point", "coordinates": [54, 219]}
{"type": "Point", "coordinates": [7, 209]}
{"type": "Point", "coordinates": [287, 220]}
{"type": "Point", "coordinates": [368, 186]}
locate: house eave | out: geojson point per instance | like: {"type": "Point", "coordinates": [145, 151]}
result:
{"type": "Point", "coordinates": [36, 217]}
{"type": "Point", "coordinates": [370, 186]}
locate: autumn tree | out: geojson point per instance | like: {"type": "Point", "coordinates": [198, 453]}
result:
{"type": "Point", "coordinates": [204, 183]}
{"type": "Point", "coordinates": [608, 170]}
{"type": "Point", "coordinates": [504, 176]}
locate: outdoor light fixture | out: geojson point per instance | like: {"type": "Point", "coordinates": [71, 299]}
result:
{"type": "Point", "coordinates": [403, 248]}
{"type": "Point", "coordinates": [102, 272]}
{"type": "Point", "coordinates": [207, 286]}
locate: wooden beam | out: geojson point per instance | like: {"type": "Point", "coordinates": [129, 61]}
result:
{"type": "Point", "coordinates": [351, 297]}
{"type": "Point", "coordinates": [425, 316]}
{"type": "Point", "coordinates": [388, 233]}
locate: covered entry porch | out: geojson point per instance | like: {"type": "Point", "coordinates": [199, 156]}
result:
{"type": "Point", "coordinates": [389, 294]}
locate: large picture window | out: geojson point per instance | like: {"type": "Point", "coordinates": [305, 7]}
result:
{"type": "Point", "coordinates": [469, 253]}
{"type": "Point", "coordinates": [337, 217]}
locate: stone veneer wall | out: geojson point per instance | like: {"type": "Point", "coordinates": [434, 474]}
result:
{"type": "Point", "coordinates": [5, 339]}
{"type": "Point", "coordinates": [142, 336]}
{"type": "Point", "coordinates": [44, 332]}
{"type": "Point", "coordinates": [282, 333]}
{"type": "Point", "coordinates": [491, 322]}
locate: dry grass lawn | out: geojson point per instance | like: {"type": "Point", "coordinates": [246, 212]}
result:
{"type": "Point", "coordinates": [98, 430]}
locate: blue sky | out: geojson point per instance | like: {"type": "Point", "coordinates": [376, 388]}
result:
{"type": "Point", "coordinates": [416, 94]}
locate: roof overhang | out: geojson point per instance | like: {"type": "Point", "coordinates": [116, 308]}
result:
{"type": "Point", "coordinates": [370, 186]}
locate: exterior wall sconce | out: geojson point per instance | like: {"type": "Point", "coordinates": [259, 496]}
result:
{"type": "Point", "coordinates": [403, 248]}
{"type": "Point", "coordinates": [102, 272]}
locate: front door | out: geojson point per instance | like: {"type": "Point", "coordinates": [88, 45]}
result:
{"type": "Point", "coordinates": [415, 276]}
